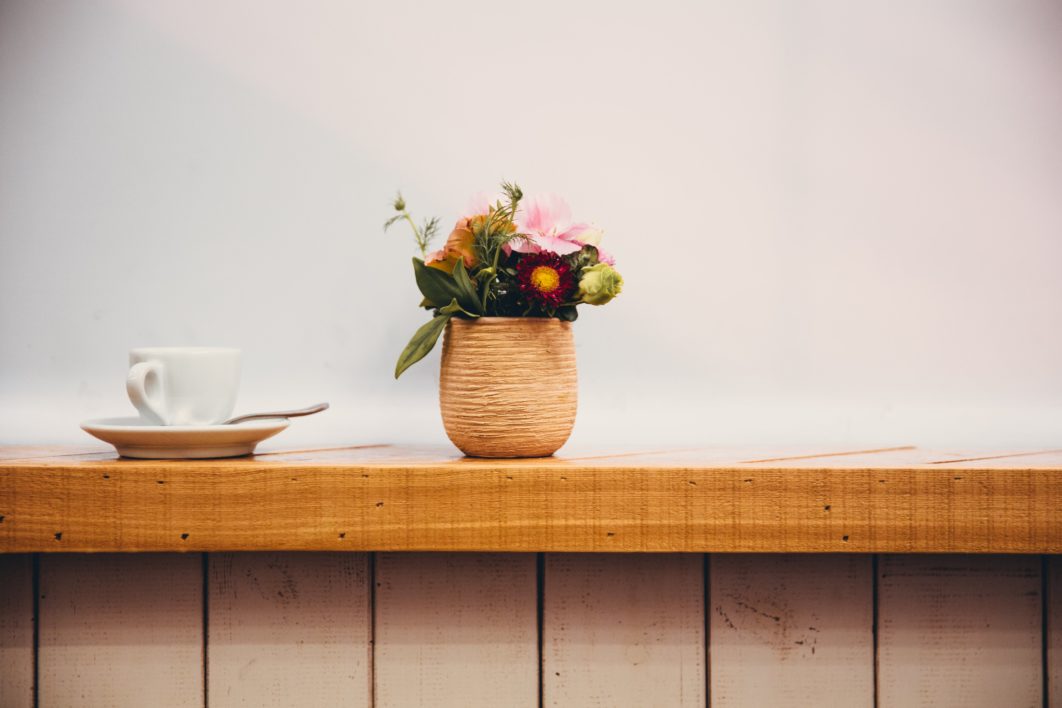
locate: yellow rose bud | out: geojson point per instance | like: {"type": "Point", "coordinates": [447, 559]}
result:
{"type": "Point", "coordinates": [599, 284]}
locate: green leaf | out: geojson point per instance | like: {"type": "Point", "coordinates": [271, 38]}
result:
{"type": "Point", "coordinates": [568, 313]}
{"type": "Point", "coordinates": [454, 308]}
{"type": "Point", "coordinates": [439, 287]}
{"type": "Point", "coordinates": [469, 299]}
{"type": "Point", "coordinates": [435, 285]}
{"type": "Point", "coordinates": [423, 341]}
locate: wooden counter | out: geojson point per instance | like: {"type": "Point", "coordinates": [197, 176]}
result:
{"type": "Point", "coordinates": [384, 498]}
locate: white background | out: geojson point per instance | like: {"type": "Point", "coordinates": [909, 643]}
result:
{"type": "Point", "coordinates": [838, 221]}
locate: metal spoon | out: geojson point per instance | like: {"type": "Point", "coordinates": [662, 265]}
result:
{"type": "Point", "coordinates": [309, 410]}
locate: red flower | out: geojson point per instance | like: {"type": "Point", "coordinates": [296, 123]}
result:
{"type": "Point", "coordinates": [545, 279]}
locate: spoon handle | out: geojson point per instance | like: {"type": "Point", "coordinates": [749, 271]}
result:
{"type": "Point", "coordinates": [309, 410]}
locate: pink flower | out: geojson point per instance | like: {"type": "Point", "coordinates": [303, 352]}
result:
{"type": "Point", "coordinates": [547, 221]}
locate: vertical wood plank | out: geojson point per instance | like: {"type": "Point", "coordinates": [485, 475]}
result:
{"type": "Point", "coordinates": [121, 630]}
{"type": "Point", "coordinates": [289, 629]}
{"type": "Point", "coordinates": [623, 630]}
{"type": "Point", "coordinates": [791, 630]}
{"type": "Point", "coordinates": [960, 631]}
{"type": "Point", "coordinates": [16, 630]}
{"type": "Point", "coordinates": [1054, 630]}
{"type": "Point", "coordinates": [456, 629]}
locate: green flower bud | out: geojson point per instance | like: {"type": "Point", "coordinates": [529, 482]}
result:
{"type": "Point", "coordinates": [400, 203]}
{"type": "Point", "coordinates": [599, 284]}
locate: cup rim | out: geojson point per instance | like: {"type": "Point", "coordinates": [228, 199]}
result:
{"type": "Point", "coordinates": [156, 351]}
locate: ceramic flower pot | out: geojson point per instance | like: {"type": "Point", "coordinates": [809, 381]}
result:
{"type": "Point", "coordinates": [508, 385]}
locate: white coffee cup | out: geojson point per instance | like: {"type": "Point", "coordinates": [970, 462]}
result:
{"type": "Point", "coordinates": [184, 385]}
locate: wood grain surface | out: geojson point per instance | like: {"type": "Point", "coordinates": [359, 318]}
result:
{"type": "Point", "coordinates": [392, 498]}
{"type": "Point", "coordinates": [121, 630]}
{"type": "Point", "coordinates": [460, 629]}
{"type": "Point", "coordinates": [508, 385]}
{"type": "Point", "coordinates": [456, 629]}
{"type": "Point", "coordinates": [289, 629]}
{"type": "Point", "coordinates": [16, 631]}
{"type": "Point", "coordinates": [623, 630]}
{"type": "Point", "coordinates": [1053, 625]}
{"type": "Point", "coordinates": [791, 630]}
{"type": "Point", "coordinates": [963, 631]}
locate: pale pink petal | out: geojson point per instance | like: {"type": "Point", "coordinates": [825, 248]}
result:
{"type": "Point", "coordinates": [557, 245]}
{"type": "Point", "coordinates": [480, 203]}
{"type": "Point", "coordinates": [435, 256]}
{"type": "Point", "coordinates": [522, 245]}
{"type": "Point", "coordinates": [605, 257]}
{"type": "Point", "coordinates": [533, 218]}
{"type": "Point", "coordinates": [544, 214]}
{"type": "Point", "coordinates": [559, 210]}
{"type": "Point", "coordinates": [572, 232]}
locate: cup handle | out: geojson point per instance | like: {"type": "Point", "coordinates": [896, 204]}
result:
{"type": "Point", "coordinates": [136, 385]}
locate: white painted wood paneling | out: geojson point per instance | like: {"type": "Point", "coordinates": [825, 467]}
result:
{"type": "Point", "coordinates": [456, 629]}
{"type": "Point", "coordinates": [289, 629]}
{"type": "Point", "coordinates": [16, 631]}
{"type": "Point", "coordinates": [791, 630]}
{"type": "Point", "coordinates": [1054, 629]}
{"type": "Point", "coordinates": [460, 630]}
{"type": "Point", "coordinates": [961, 631]}
{"type": "Point", "coordinates": [121, 630]}
{"type": "Point", "coordinates": [623, 630]}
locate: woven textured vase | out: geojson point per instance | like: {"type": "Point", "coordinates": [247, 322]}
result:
{"type": "Point", "coordinates": [508, 385]}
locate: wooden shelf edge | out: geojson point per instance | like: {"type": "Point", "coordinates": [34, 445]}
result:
{"type": "Point", "coordinates": [110, 506]}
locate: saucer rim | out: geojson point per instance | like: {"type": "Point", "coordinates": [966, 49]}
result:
{"type": "Point", "coordinates": [133, 424]}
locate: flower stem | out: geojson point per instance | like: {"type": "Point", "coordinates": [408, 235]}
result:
{"type": "Point", "coordinates": [417, 235]}
{"type": "Point", "coordinates": [493, 275]}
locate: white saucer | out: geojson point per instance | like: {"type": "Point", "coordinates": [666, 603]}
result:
{"type": "Point", "coordinates": [134, 438]}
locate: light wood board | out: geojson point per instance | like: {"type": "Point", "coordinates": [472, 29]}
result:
{"type": "Point", "coordinates": [791, 631]}
{"type": "Point", "coordinates": [960, 631]}
{"type": "Point", "coordinates": [380, 498]}
{"type": "Point", "coordinates": [121, 630]}
{"type": "Point", "coordinates": [623, 630]}
{"type": "Point", "coordinates": [289, 629]}
{"type": "Point", "coordinates": [16, 631]}
{"type": "Point", "coordinates": [1054, 630]}
{"type": "Point", "coordinates": [456, 630]}
{"type": "Point", "coordinates": [460, 629]}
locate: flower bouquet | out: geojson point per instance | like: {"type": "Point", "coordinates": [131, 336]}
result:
{"type": "Point", "coordinates": [505, 289]}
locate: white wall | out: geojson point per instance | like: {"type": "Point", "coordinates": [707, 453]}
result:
{"type": "Point", "coordinates": [838, 221]}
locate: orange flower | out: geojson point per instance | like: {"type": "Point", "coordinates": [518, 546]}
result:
{"type": "Point", "coordinates": [458, 245]}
